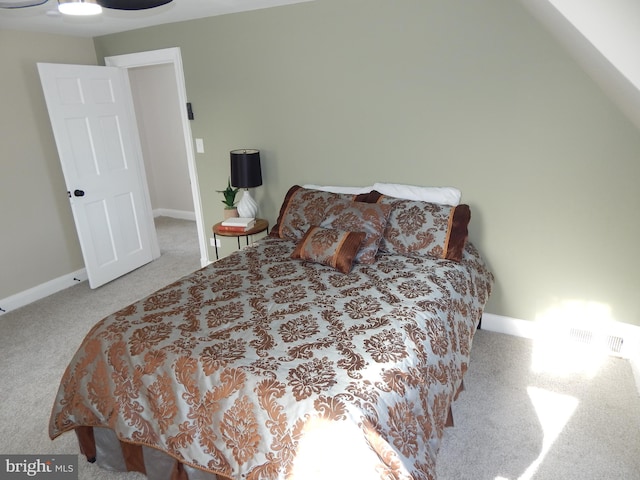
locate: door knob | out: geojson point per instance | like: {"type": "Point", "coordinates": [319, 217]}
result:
{"type": "Point", "coordinates": [78, 193]}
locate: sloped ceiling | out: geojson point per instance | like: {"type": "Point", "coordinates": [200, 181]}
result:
{"type": "Point", "coordinates": [603, 36]}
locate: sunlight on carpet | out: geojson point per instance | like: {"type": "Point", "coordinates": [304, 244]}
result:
{"type": "Point", "coordinates": [572, 338]}
{"type": "Point", "coordinates": [554, 411]}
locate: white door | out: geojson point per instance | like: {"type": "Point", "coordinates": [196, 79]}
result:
{"type": "Point", "coordinates": [90, 109]}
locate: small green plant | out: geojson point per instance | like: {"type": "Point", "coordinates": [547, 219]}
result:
{"type": "Point", "coordinates": [229, 195]}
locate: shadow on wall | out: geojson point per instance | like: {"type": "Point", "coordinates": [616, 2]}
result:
{"type": "Point", "coordinates": [477, 236]}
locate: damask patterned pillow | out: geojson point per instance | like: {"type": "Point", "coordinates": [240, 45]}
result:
{"type": "Point", "coordinates": [304, 207]}
{"type": "Point", "coordinates": [422, 228]}
{"type": "Point", "coordinates": [333, 248]}
{"type": "Point", "coordinates": [356, 216]}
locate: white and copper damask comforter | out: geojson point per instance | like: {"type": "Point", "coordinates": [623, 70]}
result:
{"type": "Point", "coordinates": [264, 367]}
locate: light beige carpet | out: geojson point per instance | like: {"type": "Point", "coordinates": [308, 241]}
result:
{"type": "Point", "coordinates": [517, 420]}
{"type": "Point", "coordinates": [511, 422]}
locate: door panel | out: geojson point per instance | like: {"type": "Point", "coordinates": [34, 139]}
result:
{"type": "Point", "coordinates": [97, 220]}
{"type": "Point", "coordinates": [90, 111]}
{"type": "Point", "coordinates": [131, 237]}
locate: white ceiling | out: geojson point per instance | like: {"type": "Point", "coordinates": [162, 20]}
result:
{"type": "Point", "coordinates": [603, 36]}
{"type": "Point", "coordinates": [45, 18]}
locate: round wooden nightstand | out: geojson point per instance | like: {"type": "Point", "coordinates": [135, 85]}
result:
{"type": "Point", "coordinates": [260, 226]}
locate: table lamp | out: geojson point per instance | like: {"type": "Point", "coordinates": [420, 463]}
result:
{"type": "Point", "coordinates": [246, 173]}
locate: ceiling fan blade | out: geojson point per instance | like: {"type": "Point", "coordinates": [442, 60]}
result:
{"type": "Point", "coordinates": [113, 4]}
{"type": "Point", "coordinates": [132, 4]}
{"type": "Point", "coordinates": [21, 3]}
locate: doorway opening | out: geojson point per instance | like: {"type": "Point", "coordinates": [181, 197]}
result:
{"type": "Point", "coordinates": [167, 63]}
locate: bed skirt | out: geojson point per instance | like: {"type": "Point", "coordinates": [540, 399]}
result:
{"type": "Point", "coordinates": [102, 446]}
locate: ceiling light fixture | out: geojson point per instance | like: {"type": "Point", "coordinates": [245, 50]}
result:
{"type": "Point", "coordinates": [21, 3]}
{"type": "Point", "coordinates": [133, 5]}
{"type": "Point", "coordinates": [79, 7]}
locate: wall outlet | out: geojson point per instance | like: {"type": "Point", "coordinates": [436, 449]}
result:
{"type": "Point", "coordinates": [214, 242]}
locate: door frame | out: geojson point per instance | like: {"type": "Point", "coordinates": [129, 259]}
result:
{"type": "Point", "coordinates": [173, 56]}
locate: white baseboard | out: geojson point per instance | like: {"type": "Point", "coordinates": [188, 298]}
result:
{"type": "Point", "coordinates": [509, 326]}
{"type": "Point", "coordinates": [527, 329]}
{"type": "Point", "coordinates": [180, 214]}
{"type": "Point", "coordinates": [41, 291]}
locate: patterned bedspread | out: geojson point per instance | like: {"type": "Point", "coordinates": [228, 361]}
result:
{"type": "Point", "coordinates": [263, 367]}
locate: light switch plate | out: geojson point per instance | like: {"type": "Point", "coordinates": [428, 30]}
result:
{"type": "Point", "coordinates": [199, 145]}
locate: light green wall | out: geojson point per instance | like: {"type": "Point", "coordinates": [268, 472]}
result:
{"type": "Point", "coordinates": [39, 241]}
{"type": "Point", "coordinates": [471, 94]}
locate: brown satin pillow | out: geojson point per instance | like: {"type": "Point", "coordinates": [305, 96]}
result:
{"type": "Point", "coordinates": [423, 228]}
{"type": "Point", "coordinates": [334, 248]}
{"type": "Point", "coordinates": [354, 216]}
{"type": "Point", "coordinates": [304, 207]}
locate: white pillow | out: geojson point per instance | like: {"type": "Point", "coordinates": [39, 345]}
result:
{"type": "Point", "coordinates": [443, 195]}
{"type": "Point", "coordinates": [348, 190]}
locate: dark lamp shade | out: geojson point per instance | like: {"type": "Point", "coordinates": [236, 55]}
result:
{"type": "Point", "coordinates": [245, 168]}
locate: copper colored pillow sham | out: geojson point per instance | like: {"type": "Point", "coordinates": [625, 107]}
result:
{"type": "Point", "coordinates": [304, 207]}
{"type": "Point", "coordinates": [334, 248]}
{"type": "Point", "coordinates": [422, 228]}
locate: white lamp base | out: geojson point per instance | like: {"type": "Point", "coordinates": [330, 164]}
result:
{"type": "Point", "coordinates": [247, 207]}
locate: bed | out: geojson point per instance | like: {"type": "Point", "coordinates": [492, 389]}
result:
{"type": "Point", "coordinates": [332, 348]}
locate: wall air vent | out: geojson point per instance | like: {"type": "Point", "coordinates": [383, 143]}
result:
{"type": "Point", "coordinates": [612, 343]}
